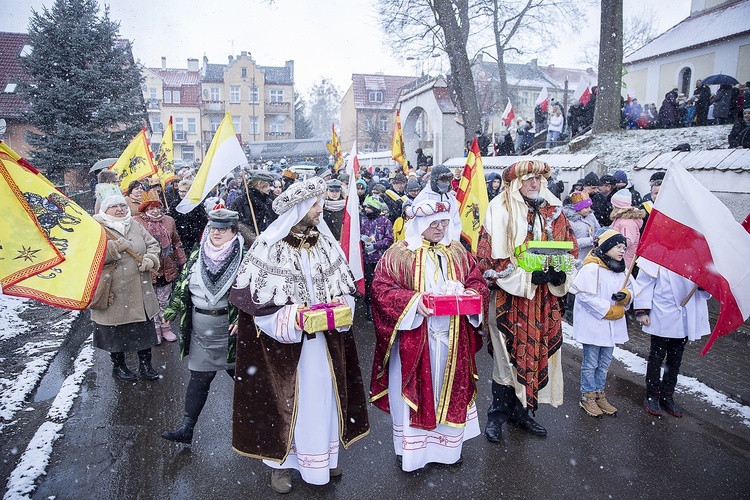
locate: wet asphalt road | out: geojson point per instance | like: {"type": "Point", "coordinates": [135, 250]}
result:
{"type": "Point", "coordinates": [111, 447]}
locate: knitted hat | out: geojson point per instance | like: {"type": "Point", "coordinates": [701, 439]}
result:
{"type": "Point", "coordinates": [298, 192]}
{"type": "Point", "coordinates": [580, 200]}
{"type": "Point", "coordinates": [609, 239]}
{"type": "Point", "coordinates": [591, 179]}
{"type": "Point", "coordinates": [362, 183]}
{"type": "Point", "coordinates": [607, 179]}
{"type": "Point", "coordinates": [620, 177]}
{"type": "Point", "coordinates": [112, 200]}
{"type": "Point", "coordinates": [344, 178]}
{"type": "Point", "coordinates": [622, 199]}
{"type": "Point", "coordinates": [522, 168]}
{"type": "Point", "coordinates": [149, 199]}
{"type": "Point", "coordinates": [656, 176]}
{"type": "Point", "coordinates": [221, 217]}
{"type": "Point", "coordinates": [413, 185]}
{"type": "Point", "coordinates": [323, 172]}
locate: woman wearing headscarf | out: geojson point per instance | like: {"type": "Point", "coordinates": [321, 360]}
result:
{"type": "Point", "coordinates": [208, 321]}
{"type": "Point", "coordinates": [127, 322]}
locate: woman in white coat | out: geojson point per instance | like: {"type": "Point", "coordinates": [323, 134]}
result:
{"type": "Point", "coordinates": [554, 127]}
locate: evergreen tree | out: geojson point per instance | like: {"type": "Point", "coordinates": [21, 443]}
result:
{"type": "Point", "coordinates": [302, 125]}
{"type": "Point", "coordinates": [85, 90]}
{"type": "Point", "coordinates": [324, 107]}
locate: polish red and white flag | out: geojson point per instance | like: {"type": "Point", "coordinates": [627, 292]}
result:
{"type": "Point", "coordinates": [508, 114]}
{"type": "Point", "coordinates": [350, 232]}
{"type": "Point", "coordinates": [543, 99]}
{"type": "Point", "coordinates": [582, 92]}
{"type": "Point", "coordinates": [692, 233]}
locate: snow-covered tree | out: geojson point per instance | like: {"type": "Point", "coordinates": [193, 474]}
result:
{"type": "Point", "coordinates": [324, 107]}
{"type": "Point", "coordinates": [302, 125]}
{"type": "Point", "coordinates": [84, 89]}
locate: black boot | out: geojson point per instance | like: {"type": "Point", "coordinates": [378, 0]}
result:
{"type": "Point", "coordinates": [651, 404]}
{"type": "Point", "coordinates": [522, 419]}
{"type": "Point", "coordinates": [184, 434]}
{"type": "Point", "coordinates": [498, 413]}
{"type": "Point", "coordinates": [147, 371]}
{"type": "Point", "coordinates": [667, 401]}
{"type": "Point", "coordinates": [120, 370]}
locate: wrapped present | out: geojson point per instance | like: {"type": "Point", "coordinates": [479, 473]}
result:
{"type": "Point", "coordinates": [454, 305]}
{"type": "Point", "coordinates": [542, 255]}
{"type": "Point", "coordinates": [322, 317]}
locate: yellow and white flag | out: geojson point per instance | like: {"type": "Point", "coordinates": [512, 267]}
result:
{"type": "Point", "coordinates": [136, 162]}
{"type": "Point", "coordinates": [51, 250]}
{"type": "Point", "coordinates": [224, 154]}
{"type": "Point", "coordinates": [397, 146]}
{"type": "Point", "coordinates": [165, 158]}
{"type": "Point", "coordinates": [472, 197]}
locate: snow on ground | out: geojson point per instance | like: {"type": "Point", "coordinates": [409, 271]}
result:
{"type": "Point", "coordinates": [10, 322]}
{"type": "Point", "coordinates": [637, 365]}
{"type": "Point", "coordinates": [621, 150]}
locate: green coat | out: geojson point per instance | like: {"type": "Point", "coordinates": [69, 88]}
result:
{"type": "Point", "coordinates": [181, 304]}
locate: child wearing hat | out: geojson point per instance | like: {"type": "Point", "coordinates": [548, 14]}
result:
{"type": "Point", "coordinates": [599, 317]}
{"type": "Point", "coordinates": [376, 233]}
{"type": "Point", "coordinates": [583, 221]}
{"type": "Point", "coordinates": [627, 220]}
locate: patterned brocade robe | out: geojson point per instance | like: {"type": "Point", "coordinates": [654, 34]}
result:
{"type": "Point", "coordinates": [399, 280]}
{"type": "Point", "coordinates": [531, 328]}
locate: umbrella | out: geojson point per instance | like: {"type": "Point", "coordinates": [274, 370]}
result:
{"type": "Point", "coordinates": [720, 80]}
{"type": "Point", "coordinates": [102, 164]}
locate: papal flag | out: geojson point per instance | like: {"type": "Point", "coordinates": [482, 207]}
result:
{"type": "Point", "coordinates": [165, 157]}
{"type": "Point", "coordinates": [136, 162]}
{"type": "Point", "coordinates": [472, 197]}
{"type": "Point", "coordinates": [334, 147]}
{"type": "Point", "coordinates": [397, 146]}
{"type": "Point", "coordinates": [224, 155]}
{"type": "Point", "coordinates": [51, 250]}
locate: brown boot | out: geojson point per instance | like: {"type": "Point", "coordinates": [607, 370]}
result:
{"type": "Point", "coordinates": [588, 403]}
{"type": "Point", "coordinates": [603, 404]}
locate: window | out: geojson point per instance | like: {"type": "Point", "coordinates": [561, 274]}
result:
{"type": "Point", "coordinates": [152, 93]}
{"type": "Point", "coordinates": [383, 125]}
{"type": "Point", "coordinates": [277, 96]}
{"type": "Point", "coordinates": [368, 148]}
{"type": "Point", "coordinates": [156, 124]}
{"type": "Point", "coordinates": [254, 125]}
{"type": "Point", "coordinates": [192, 129]}
{"type": "Point", "coordinates": [685, 75]}
{"type": "Point", "coordinates": [252, 94]}
{"type": "Point", "coordinates": [188, 153]}
{"type": "Point", "coordinates": [244, 72]}
{"type": "Point", "coordinates": [383, 147]}
{"type": "Point", "coordinates": [368, 122]}
{"type": "Point", "coordinates": [179, 124]}
{"type": "Point", "coordinates": [277, 124]}
{"type": "Point", "coordinates": [10, 88]}
{"type": "Point", "coordinates": [176, 97]}
{"type": "Point", "coordinates": [237, 122]}
{"type": "Point", "coordinates": [215, 94]}
{"type": "Point", "coordinates": [524, 98]}
{"type": "Point", "coordinates": [376, 96]}
{"type": "Point", "coordinates": [215, 121]}
{"type": "Point", "coordinates": [234, 94]}
{"type": "Point", "coordinates": [167, 97]}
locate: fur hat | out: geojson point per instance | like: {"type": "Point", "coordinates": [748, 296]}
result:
{"type": "Point", "coordinates": [609, 239]}
{"type": "Point", "coordinates": [580, 200]}
{"type": "Point", "coordinates": [622, 199]}
{"type": "Point", "coordinates": [620, 177]}
{"type": "Point", "coordinates": [149, 199]}
{"type": "Point", "coordinates": [298, 192]}
{"type": "Point", "coordinates": [526, 167]}
{"type": "Point", "coordinates": [112, 200]}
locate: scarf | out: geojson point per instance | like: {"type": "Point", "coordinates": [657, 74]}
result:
{"type": "Point", "coordinates": [218, 267]}
{"type": "Point", "coordinates": [119, 224]}
{"type": "Point", "coordinates": [155, 227]}
{"type": "Point", "coordinates": [334, 205]}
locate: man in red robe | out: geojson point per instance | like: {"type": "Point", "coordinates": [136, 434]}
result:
{"type": "Point", "coordinates": [424, 372]}
{"type": "Point", "coordinates": [526, 303]}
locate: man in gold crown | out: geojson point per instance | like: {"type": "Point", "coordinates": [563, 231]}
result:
{"type": "Point", "coordinates": [295, 395]}
{"type": "Point", "coordinates": [424, 373]}
{"type": "Point", "coordinates": [526, 300]}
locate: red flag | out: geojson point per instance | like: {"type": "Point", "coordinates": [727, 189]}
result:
{"type": "Point", "coordinates": [746, 223]}
{"type": "Point", "coordinates": [508, 114]}
{"type": "Point", "coordinates": [691, 233]}
{"type": "Point", "coordinates": [543, 99]}
{"type": "Point", "coordinates": [350, 235]}
{"type": "Point", "coordinates": [582, 93]}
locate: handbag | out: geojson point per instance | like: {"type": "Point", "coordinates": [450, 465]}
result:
{"type": "Point", "coordinates": [103, 296]}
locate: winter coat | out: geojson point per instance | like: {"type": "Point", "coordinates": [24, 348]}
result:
{"type": "Point", "coordinates": [381, 229]}
{"type": "Point", "coordinates": [668, 110]}
{"type": "Point", "coordinates": [602, 207]}
{"type": "Point", "coordinates": [739, 136]}
{"type": "Point", "coordinates": [722, 102]}
{"type": "Point", "coordinates": [190, 225]}
{"type": "Point", "coordinates": [584, 229]}
{"type": "Point", "coordinates": [134, 297]}
{"type": "Point", "coordinates": [628, 222]}
{"type": "Point", "coordinates": [593, 287]}
{"type": "Point", "coordinates": [555, 123]}
{"type": "Point", "coordinates": [171, 257]}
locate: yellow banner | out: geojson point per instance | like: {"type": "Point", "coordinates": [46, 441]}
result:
{"type": "Point", "coordinates": [397, 146]}
{"type": "Point", "coordinates": [136, 162]}
{"type": "Point", "coordinates": [334, 147]}
{"type": "Point", "coordinates": [51, 250]}
{"type": "Point", "coordinates": [165, 158]}
{"type": "Point", "coordinates": [472, 197]}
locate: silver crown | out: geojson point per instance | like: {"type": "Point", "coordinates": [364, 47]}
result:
{"type": "Point", "coordinates": [298, 192]}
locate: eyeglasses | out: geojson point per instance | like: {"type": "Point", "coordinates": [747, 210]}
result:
{"type": "Point", "coordinates": [220, 230]}
{"type": "Point", "coordinates": [182, 191]}
{"type": "Point", "coordinates": [436, 224]}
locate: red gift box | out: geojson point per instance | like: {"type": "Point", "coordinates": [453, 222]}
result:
{"type": "Point", "coordinates": [453, 305]}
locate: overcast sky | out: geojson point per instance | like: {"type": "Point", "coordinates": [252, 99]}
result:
{"type": "Point", "coordinates": [331, 38]}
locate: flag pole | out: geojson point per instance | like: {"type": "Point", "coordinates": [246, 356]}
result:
{"type": "Point", "coordinates": [164, 195]}
{"type": "Point", "coordinates": [250, 202]}
{"type": "Point", "coordinates": [114, 237]}
{"type": "Point", "coordinates": [689, 296]}
{"type": "Point", "coordinates": [629, 271]}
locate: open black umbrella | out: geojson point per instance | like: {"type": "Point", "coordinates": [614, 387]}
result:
{"type": "Point", "coordinates": [720, 80]}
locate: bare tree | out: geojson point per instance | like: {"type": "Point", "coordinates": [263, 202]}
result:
{"type": "Point", "coordinates": [607, 111]}
{"type": "Point", "coordinates": [637, 31]}
{"type": "Point", "coordinates": [420, 27]}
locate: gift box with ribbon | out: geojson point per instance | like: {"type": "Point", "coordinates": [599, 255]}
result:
{"type": "Point", "coordinates": [454, 305]}
{"type": "Point", "coordinates": [322, 317]}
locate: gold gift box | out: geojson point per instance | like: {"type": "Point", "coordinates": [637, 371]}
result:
{"type": "Point", "coordinates": [323, 317]}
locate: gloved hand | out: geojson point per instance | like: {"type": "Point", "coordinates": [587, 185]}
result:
{"type": "Point", "coordinates": [539, 277]}
{"type": "Point", "coordinates": [622, 297]}
{"type": "Point", "coordinates": [369, 247]}
{"type": "Point", "coordinates": [121, 244]}
{"type": "Point", "coordinates": [615, 312]}
{"type": "Point", "coordinates": [145, 265]}
{"type": "Point", "coordinates": [556, 278]}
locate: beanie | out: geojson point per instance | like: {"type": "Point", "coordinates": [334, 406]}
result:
{"type": "Point", "coordinates": [620, 177]}
{"type": "Point", "coordinates": [610, 239]}
{"type": "Point", "coordinates": [622, 199]}
{"type": "Point", "coordinates": [591, 179]}
{"type": "Point", "coordinates": [580, 200]}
